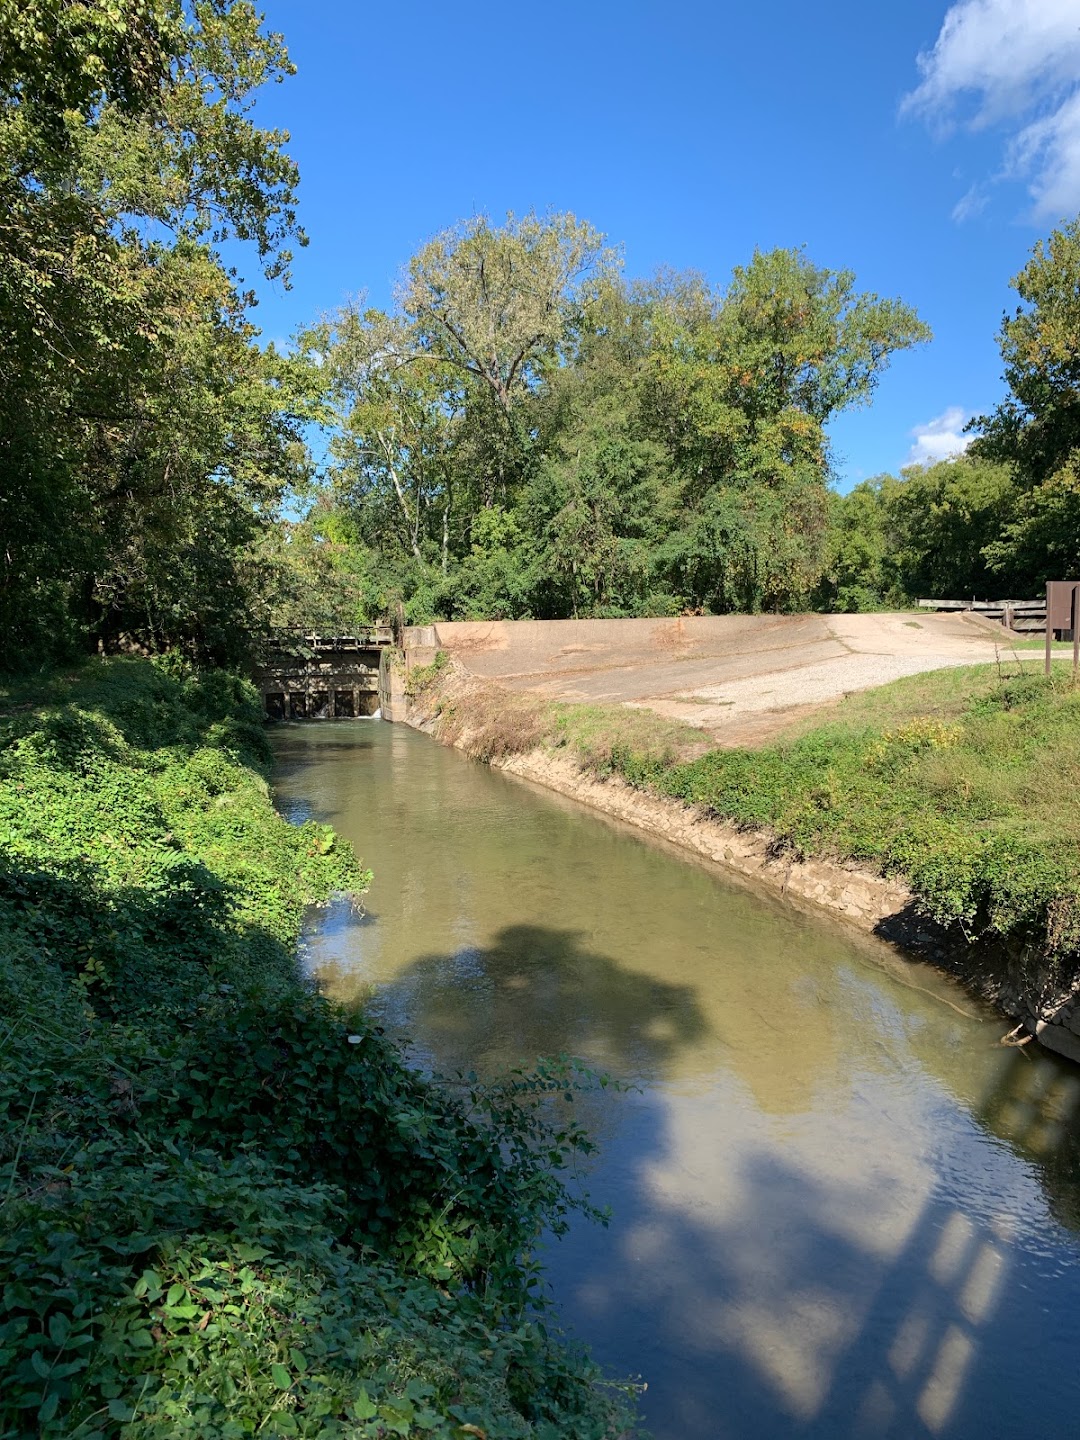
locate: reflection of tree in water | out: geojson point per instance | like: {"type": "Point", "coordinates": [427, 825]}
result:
{"type": "Point", "coordinates": [1033, 1104]}
{"type": "Point", "coordinates": [537, 991]}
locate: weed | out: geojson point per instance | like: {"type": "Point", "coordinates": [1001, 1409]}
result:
{"type": "Point", "coordinates": [424, 676]}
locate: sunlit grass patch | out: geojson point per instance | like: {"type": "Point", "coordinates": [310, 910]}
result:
{"type": "Point", "coordinates": [964, 782]}
{"type": "Point", "coordinates": [598, 734]}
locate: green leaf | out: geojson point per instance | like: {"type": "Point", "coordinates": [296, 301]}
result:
{"type": "Point", "coordinates": [363, 1407]}
{"type": "Point", "coordinates": [282, 1378]}
{"type": "Point", "coordinates": [250, 1252]}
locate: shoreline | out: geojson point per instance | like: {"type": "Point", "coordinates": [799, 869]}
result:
{"type": "Point", "coordinates": [875, 905]}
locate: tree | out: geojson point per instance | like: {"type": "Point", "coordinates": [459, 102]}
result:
{"type": "Point", "coordinates": [601, 506]}
{"type": "Point", "coordinates": [940, 521]}
{"type": "Point", "coordinates": [927, 533]}
{"type": "Point", "coordinates": [527, 434]}
{"type": "Point", "coordinates": [502, 303]}
{"type": "Point", "coordinates": [435, 404]}
{"type": "Point", "coordinates": [1036, 429]}
{"type": "Point", "coordinates": [398, 422]}
{"type": "Point", "coordinates": [855, 575]}
{"type": "Point", "coordinates": [603, 499]}
{"type": "Point", "coordinates": [740, 389]}
{"type": "Point", "coordinates": [120, 122]}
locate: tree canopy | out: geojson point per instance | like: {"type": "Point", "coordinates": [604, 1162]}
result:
{"type": "Point", "coordinates": [528, 434]}
{"type": "Point", "coordinates": [144, 437]}
{"type": "Point", "coordinates": [524, 431]}
{"type": "Point", "coordinates": [1004, 518]}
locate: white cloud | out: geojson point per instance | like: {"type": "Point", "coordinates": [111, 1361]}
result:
{"type": "Point", "coordinates": [1048, 151]}
{"type": "Point", "coordinates": [970, 204]}
{"type": "Point", "coordinates": [1014, 63]}
{"type": "Point", "coordinates": [940, 438]}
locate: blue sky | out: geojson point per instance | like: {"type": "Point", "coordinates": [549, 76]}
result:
{"type": "Point", "coordinates": [923, 145]}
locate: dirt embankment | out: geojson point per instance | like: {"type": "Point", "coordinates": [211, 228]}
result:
{"type": "Point", "coordinates": [512, 731]}
{"type": "Point", "coordinates": [738, 679]}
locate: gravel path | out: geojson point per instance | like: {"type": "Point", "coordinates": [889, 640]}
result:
{"type": "Point", "coordinates": [720, 709]}
{"type": "Point", "coordinates": [828, 680]}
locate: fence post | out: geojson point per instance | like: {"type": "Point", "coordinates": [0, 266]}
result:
{"type": "Point", "coordinates": [1049, 632]}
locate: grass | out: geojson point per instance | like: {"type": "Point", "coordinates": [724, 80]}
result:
{"type": "Point", "coordinates": [1058, 648]}
{"type": "Point", "coordinates": [963, 782]}
{"type": "Point", "coordinates": [490, 723]}
{"type": "Point", "coordinates": [228, 1207]}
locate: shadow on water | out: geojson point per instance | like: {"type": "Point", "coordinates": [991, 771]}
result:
{"type": "Point", "coordinates": [486, 1007]}
{"type": "Point", "coordinates": [768, 1293]}
{"type": "Point", "coordinates": [778, 1275]}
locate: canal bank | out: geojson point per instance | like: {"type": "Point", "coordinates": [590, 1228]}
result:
{"type": "Point", "coordinates": [229, 1207]}
{"type": "Point", "coordinates": [984, 901]}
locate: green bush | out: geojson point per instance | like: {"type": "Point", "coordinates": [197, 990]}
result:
{"type": "Point", "coordinates": [228, 1207]}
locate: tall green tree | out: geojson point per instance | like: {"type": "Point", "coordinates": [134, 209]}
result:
{"type": "Point", "coordinates": [1036, 429]}
{"type": "Point", "coordinates": [131, 391]}
{"type": "Point", "coordinates": [501, 303]}
{"type": "Point", "coordinates": [436, 402]}
{"type": "Point", "coordinates": [740, 389]}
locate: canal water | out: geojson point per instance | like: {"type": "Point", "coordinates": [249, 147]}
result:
{"type": "Point", "coordinates": [839, 1206]}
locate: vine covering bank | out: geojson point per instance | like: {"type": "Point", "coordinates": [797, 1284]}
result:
{"type": "Point", "coordinates": [229, 1208]}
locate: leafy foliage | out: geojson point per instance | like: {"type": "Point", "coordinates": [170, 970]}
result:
{"type": "Point", "coordinates": [931, 533]}
{"type": "Point", "coordinates": [145, 440]}
{"type": "Point", "coordinates": [228, 1206]}
{"type": "Point", "coordinates": [1003, 519]}
{"type": "Point", "coordinates": [526, 435]}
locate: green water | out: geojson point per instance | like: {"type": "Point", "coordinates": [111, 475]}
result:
{"type": "Point", "coordinates": [840, 1207]}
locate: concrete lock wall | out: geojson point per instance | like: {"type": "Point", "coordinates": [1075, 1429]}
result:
{"type": "Point", "coordinates": [323, 687]}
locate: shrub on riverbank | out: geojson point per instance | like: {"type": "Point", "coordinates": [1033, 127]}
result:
{"type": "Point", "coordinates": [228, 1208]}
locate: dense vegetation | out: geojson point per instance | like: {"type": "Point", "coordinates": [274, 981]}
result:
{"type": "Point", "coordinates": [145, 439]}
{"type": "Point", "coordinates": [227, 1207]}
{"type": "Point", "coordinates": [525, 432]}
{"type": "Point", "coordinates": [958, 782]}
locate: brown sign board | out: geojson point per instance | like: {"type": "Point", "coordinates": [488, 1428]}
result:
{"type": "Point", "coordinates": [1059, 604]}
{"type": "Point", "coordinates": [1063, 613]}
